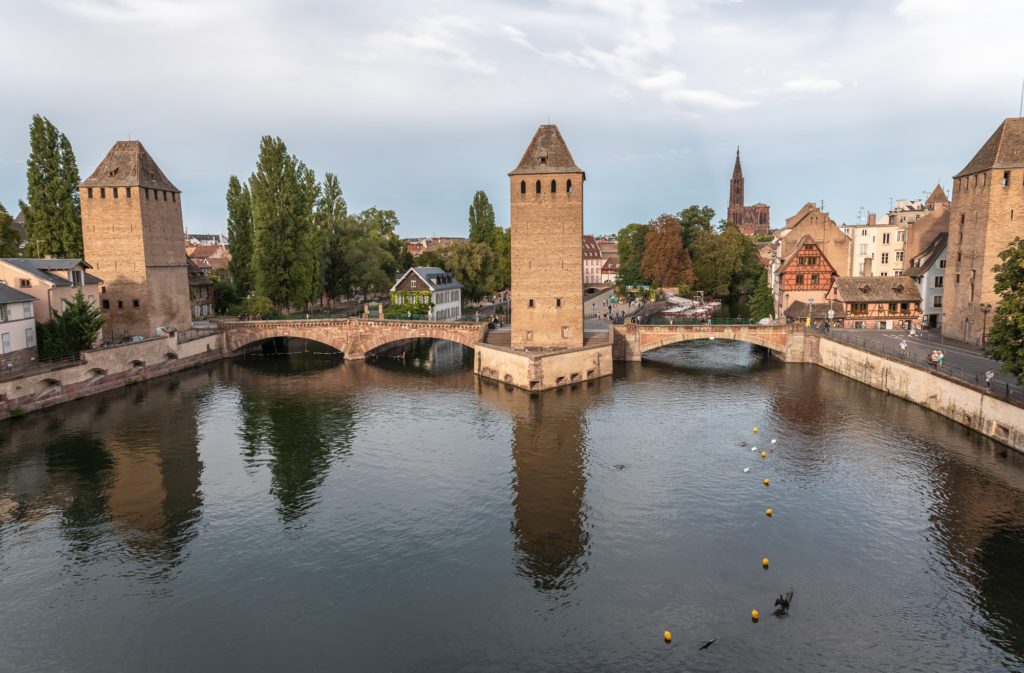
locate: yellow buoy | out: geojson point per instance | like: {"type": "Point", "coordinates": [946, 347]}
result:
{"type": "Point", "coordinates": [765, 563]}
{"type": "Point", "coordinates": [755, 431]}
{"type": "Point", "coordinates": [765, 482]}
{"type": "Point", "coordinates": [754, 615]}
{"type": "Point", "coordinates": [763, 454]}
{"type": "Point", "coordinates": [668, 636]}
{"type": "Point", "coordinates": [768, 512]}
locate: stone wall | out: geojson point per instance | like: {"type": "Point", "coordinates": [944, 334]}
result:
{"type": "Point", "coordinates": [974, 407]}
{"type": "Point", "coordinates": [543, 371]}
{"type": "Point", "coordinates": [104, 369]}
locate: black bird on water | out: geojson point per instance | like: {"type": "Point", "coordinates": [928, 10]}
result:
{"type": "Point", "coordinates": [782, 603]}
{"type": "Point", "coordinates": [707, 644]}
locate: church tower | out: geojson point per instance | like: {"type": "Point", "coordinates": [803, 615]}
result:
{"type": "Point", "coordinates": [133, 237]}
{"type": "Point", "coordinates": [736, 211]}
{"type": "Point", "coordinates": [547, 245]}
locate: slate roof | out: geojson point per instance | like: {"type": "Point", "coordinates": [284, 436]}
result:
{"type": "Point", "coordinates": [547, 153]}
{"type": "Point", "coordinates": [435, 278]}
{"type": "Point", "coordinates": [590, 248]}
{"type": "Point", "coordinates": [1004, 149]}
{"type": "Point", "coordinates": [877, 289]}
{"type": "Point", "coordinates": [8, 295]}
{"type": "Point", "coordinates": [928, 257]}
{"type": "Point", "coordinates": [610, 265]}
{"type": "Point", "coordinates": [798, 310]}
{"type": "Point", "coordinates": [41, 268]}
{"type": "Point", "coordinates": [128, 164]}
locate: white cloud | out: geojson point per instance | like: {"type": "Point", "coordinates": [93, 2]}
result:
{"type": "Point", "coordinates": [808, 84]}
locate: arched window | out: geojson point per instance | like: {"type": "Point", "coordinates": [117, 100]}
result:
{"type": "Point", "coordinates": [522, 186]}
{"type": "Point", "coordinates": [538, 186]}
{"type": "Point", "coordinates": [568, 186]}
{"type": "Point", "coordinates": [552, 186]}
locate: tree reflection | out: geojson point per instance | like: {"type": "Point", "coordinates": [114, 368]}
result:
{"type": "Point", "coordinates": [81, 469]}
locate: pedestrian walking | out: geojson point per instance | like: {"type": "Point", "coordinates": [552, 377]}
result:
{"type": "Point", "coordinates": [934, 359]}
{"type": "Point", "coordinates": [903, 349]}
{"type": "Point", "coordinates": [942, 357]}
{"type": "Point", "coordinates": [989, 375]}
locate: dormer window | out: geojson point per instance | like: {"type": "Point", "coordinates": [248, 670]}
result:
{"type": "Point", "coordinates": [543, 160]}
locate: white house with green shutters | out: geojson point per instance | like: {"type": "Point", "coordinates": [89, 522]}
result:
{"type": "Point", "coordinates": [427, 291]}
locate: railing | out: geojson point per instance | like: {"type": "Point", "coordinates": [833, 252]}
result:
{"type": "Point", "coordinates": [974, 377]}
{"type": "Point", "coordinates": [39, 366]}
{"type": "Point", "coordinates": [198, 333]}
{"type": "Point", "coordinates": [689, 320]}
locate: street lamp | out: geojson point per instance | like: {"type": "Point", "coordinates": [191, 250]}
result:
{"type": "Point", "coordinates": [985, 308]}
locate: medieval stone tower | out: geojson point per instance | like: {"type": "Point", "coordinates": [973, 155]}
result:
{"type": "Point", "coordinates": [134, 239]}
{"type": "Point", "coordinates": [547, 245]}
{"type": "Point", "coordinates": [985, 216]}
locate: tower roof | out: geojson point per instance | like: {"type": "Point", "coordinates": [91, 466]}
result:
{"type": "Point", "coordinates": [938, 197]}
{"type": "Point", "coordinates": [128, 164]}
{"type": "Point", "coordinates": [1005, 149]}
{"type": "Point", "coordinates": [737, 171]}
{"type": "Point", "coordinates": [547, 153]}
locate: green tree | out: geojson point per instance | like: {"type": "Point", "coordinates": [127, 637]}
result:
{"type": "Point", "coordinates": [53, 217]}
{"type": "Point", "coordinates": [473, 264]}
{"type": "Point", "coordinates": [1006, 338]}
{"type": "Point", "coordinates": [75, 329]}
{"type": "Point", "coordinates": [501, 245]}
{"type": "Point", "coordinates": [10, 238]}
{"type": "Point", "coordinates": [283, 192]}
{"type": "Point", "coordinates": [717, 258]}
{"type": "Point", "coordinates": [631, 241]}
{"type": "Point", "coordinates": [330, 227]}
{"type": "Point", "coordinates": [481, 219]}
{"type": "Point", "coordinates": [693, 221]}
{"type": "Point", "coordinates": [240, 235]}
{"type": "Point", "coordinates": [761, 304]}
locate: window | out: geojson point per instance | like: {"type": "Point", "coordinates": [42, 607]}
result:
{"type": "Point", "coordinates": [147, 193]}
{"type": "Point", "coordinates": [26, 310]}
{"type": "Point", "coordinates": [120, 304]}
{"type": "Point", "coordinates": [942, 264]}
{"type": "Point", "coordinates": [128, 192]}
{"type": "Point", "coordinates": [7, 342]}
{"type": "Point", "coordinates": [558, 303]}
{"type": "Point", "coordinates": [552, 186]}
{"type": "Point", "coordinates": [958, 256]}
{"type": "Point", "coordinates": [897, 272]}
{"type": "Point", "coordinates": [938, 281]}
{"type": "Point", "coordinates": [884, 273]}
{"type": "Point", "coordinates": [901, 235]}
{"type": "Point", "coordinates": [885, 237]}
{"type": "Point", "coordinates": [115, 192]}
{"type": "Point", "coordinates": [90, 192]}
{"type": "Point", "coordinates": [106, 303]}
{"type": "Point", "coordinates": [937, 301]}
{"type": "Point", "coordinates": [30, 337]}
{"type": "Point", "coordinates": [103, 192]}
{"type": "Point", "coordinates": [174, 197]}
{"type": "Point", "coordinates": [814, 279]}
{"type": "Point", "coordinates": [863, 232]}
{"type": "Point", "coordinates": [522, 186]}
{"type": "Point", "coordinates": [412, 283]}
{"type": "Point", "coordinates": [957, 279]}
{"type": "Point", "coordinates": [863, 248]}
{"type": "Point", "coordinates": [885, 256]}
{"type": "Point", "coordinates": [892, 307]}
{"type": "Point", "coordinates": [899, 255]}
{"type": "Point", "coordinates": [135, 303]}
{"type": "Point", "coordinates": [961, 218]}
{"type": "Point", "coordinates": [25, 282]}
{"type": "Point", "coordinates": [799, 279]}
{"type": "Point", "coordinates": [568, 186]}
{"type": "Point", "coordinates": [538, 187]}
{"type": "Point", "coordinates": [531, 303]}
{"type": "Point", "coordinates": [1006, 178]}
{"type": "Point", "coordinates": [165, 195]}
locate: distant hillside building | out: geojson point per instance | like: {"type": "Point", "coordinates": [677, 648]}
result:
{"type": "Point", "coordinates": [547, 245]}
{"type": "Point", "coordinates": [750, 219]}
{"type": "Point", "coordinates": [985, 216]}
{"type": "Point", "coordinates": [132, 231]}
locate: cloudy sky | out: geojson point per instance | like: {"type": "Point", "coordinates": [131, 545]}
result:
{"type": "Point", "coordinates": [416, 105]}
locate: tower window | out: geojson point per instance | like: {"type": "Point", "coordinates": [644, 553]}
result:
{"type": "Point", "coordinates": [961, 218]}
{"type": "Point", "coordinates": [174, 197]}
{"type": "Point", "coordinates": [1006, 178]}
{"type": "Point", "coordinates": [147, 193]}
{"type": "Point", "coordinates": [106, 303]}
{"type": "Point", "coordinates": [103, 192]}
{"type": "Point", "coordinates": [522, 186]}
{"type": "Point", "coordinates": [538, 186]}
{"type": "Point", "coordinates": [165, 195]}
{"type": "Point", "coordinates": [115, 192]}
{"type": "Point", "coordinates": [120, 304]}
{"type": "Point", "coordinates": [90, 192]}
{"type": "Point", "coordinates": [568, 186]}
{"type": "Point", "coordinates": [558, 303]}
{"type": "Point", "coordinates": [552, 186]}
{"type": "Point", "coordinates": [128, 192]}
{"type": "Point", "coordinates": [531, 303]}
{"type": "Point", "coordinates": [135, 303]}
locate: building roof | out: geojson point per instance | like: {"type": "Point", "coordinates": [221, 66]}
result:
{"type": "Point", "coordinates": [920, 264]}
{"type": "Point", "coordinates": [806, 239]}
{"type": "Point", "coordinates": [195, 275]}
{"type": "Point", "coordinates": [876, 289]}
{"type": "Point", "coordinates": [547, 153]}
{"type": "Point", "coordinates": [128, 164]}
{"type": "Point", "coordinates": [798, 310]}
{"type": "Point", "coordinates": [1004, 149]}
{"type": "Point", "coordinates": [435, 278]}
{"type": "Point", "coordinates": [42, 268]}
{"type": "Point", "coordinates": [211, 251]}
{"type": "Point", "coordinates": [590, 248]}
{"type": "Point", "coordinates": [937, 198]}
{"type": "Point", "coordinates": [8, 295]}
{"type": "Point", "coordinates": [19, 223]}
{"type": "Point", "coordinates": [611, 265]}
{"type": "Point", "coordinates": [737, 171]}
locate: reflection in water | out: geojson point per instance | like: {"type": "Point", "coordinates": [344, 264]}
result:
{"type": "Point", "coordinates": [81, 471]}
{"type": "Point", "coordinates": [286, 423]}
{"type": "Point", "coordinates": [549, 447]}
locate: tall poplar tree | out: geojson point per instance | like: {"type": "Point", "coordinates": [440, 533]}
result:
{"type": "Point", "coordinates": [330, 226]}
{"type": "Point", "coordinates": [481, 219]}
{"type": "Point", "coordinates": [283, 192]}
{"type": "Point", "coordinates": [240, 235]}
{"type": "Point", "coordinates": [53, 217]}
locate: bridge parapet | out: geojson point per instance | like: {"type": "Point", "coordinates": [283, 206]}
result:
{"type": "Point", "coordinates": [632, 341]}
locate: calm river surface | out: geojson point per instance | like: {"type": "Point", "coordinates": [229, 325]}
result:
{"type": "Point", "coordinates": [308, 514]}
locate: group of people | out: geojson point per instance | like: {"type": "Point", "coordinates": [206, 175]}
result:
{"type": "Point", "coordinates": [937, 358]}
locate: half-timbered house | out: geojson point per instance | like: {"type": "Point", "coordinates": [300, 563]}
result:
{"type": "Point", "coordinates": [877, 303]}
{"type": "Point", "coordinates": [805, 276]}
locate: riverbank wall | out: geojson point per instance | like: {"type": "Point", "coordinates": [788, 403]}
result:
{"type": "Point", "coordinates": [973, 406]}
{"type": "Point", "coordinates": [104, 369]}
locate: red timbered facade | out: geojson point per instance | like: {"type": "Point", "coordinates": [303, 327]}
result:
{"type": "Point", "coordinates": [804, 276]}
{"type": "Point", "coordinates": [877, 302]}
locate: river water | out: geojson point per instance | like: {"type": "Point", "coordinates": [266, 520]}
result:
{"type": "Point", "coordinates": [309, 514]}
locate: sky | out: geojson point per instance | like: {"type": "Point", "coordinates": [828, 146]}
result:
{"type": "Point", "coordinates": [417, 105]}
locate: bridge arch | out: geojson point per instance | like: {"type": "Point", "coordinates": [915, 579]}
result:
{"type": "Point", "coordinates": [631, 341]}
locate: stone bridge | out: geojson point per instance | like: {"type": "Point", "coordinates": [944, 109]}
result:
{"type": "Point", "coordinates": [786, 341]}
{"type": "Point", "coordinates": [355, 337]}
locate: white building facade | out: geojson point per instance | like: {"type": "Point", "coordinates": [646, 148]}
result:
{"type": "Point", "coordinates": [929, 272]}
{"type": "Point", "coordinates": [17, 329]}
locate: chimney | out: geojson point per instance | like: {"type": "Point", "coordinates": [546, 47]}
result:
{"type": "Point", "coordinates": [871, 218]}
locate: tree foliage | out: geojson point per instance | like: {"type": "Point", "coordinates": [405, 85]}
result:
{"type": "Point", "coordinates": [481, 219]}
{"type": "Point", "coordinates": [665, 262]}
{"type": "Point", "coordinates": [632, 240]}
{"type": "Point", "coordinates": [10, 238]}
{"type": "Point", "coordinates": [240, 235]}
{"type": "Point", "coordinates": [73, 330]}
{"type": "Point", "coordinates": [717, 258]}
{"type": "Point", "coordinates": [283, 192]}
{"type": "Point", "coordinates": [761, 304]}
{"type": "Point", "coordinates": [330, 227]}
{"type": "Point", "coordinates": [693, 221]}
{"type": "Point", "coordinates": [1006, 338]}
{"type": "Point", "coordinates": [473, 264]}
{"type": "Point", "coordinates": [53, 216]}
